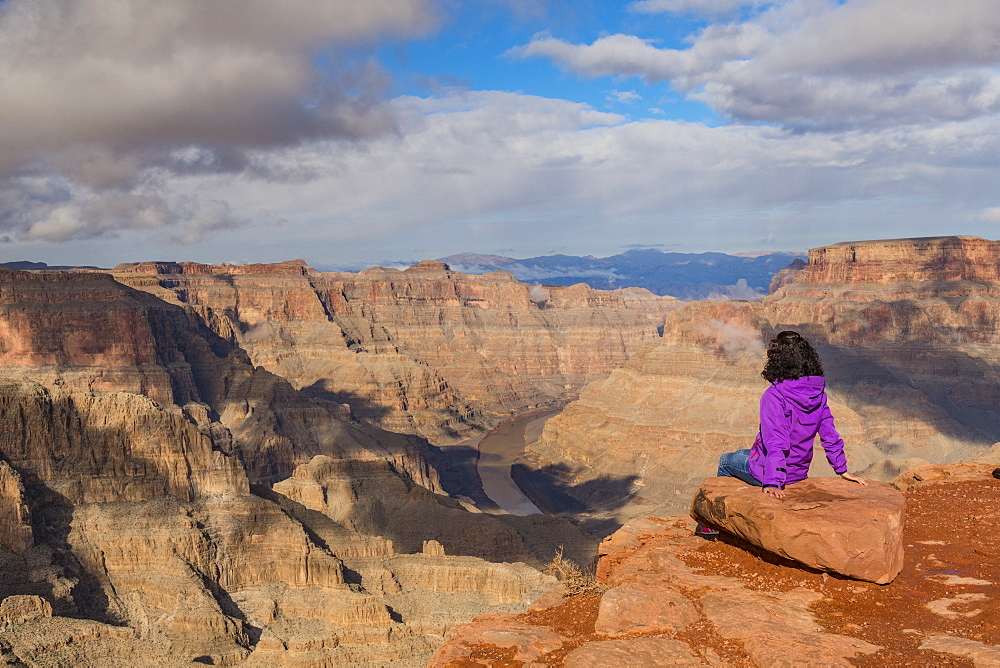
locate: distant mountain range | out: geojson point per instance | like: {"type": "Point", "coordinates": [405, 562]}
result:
{"type": "Point", "coordinates": [682, 275]}
{"type": "Point", "coordinates": [25, 265]}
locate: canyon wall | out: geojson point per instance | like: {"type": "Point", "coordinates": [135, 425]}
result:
{"type": "Point", "coordinates": [909, 338]}
{"type": "Point", "coordinates": [424, 351]}
{"type": "Point", "coordinates": [88, 333]}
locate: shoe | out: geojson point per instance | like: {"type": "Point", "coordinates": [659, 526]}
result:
{"type": "Point", "coordinates": [708, 533]}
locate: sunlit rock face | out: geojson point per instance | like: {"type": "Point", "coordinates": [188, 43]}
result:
{"type": "Point", "coordinates": [425, 351]}
{"type": "Point", "coordinates": [909, 338]}
{"type": "Point", "coordinates": [933, 259]}
{"type": "Point", "coordinates": [86, 332]}
{"type": "Point", "coordinates": [15, 518]}
{"type": "Point", "coordinates": [121, 514]}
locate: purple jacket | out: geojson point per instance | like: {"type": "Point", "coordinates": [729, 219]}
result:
{"type": "Point", "coordinates": [792, 412]}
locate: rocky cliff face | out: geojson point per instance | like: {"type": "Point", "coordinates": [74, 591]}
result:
{"type": "Point", "coordinates": [159, 491]}
{"type": "Point", "coordinates": [930, 259]}
{"type": "Point", "coordinates": [908, 334]}
{"type": "Point", "coordinates": [15, 518]}
{"type": "Point", "coordinates": [425, 351]}
{"type": "Point", "coordinates": [86, 332]}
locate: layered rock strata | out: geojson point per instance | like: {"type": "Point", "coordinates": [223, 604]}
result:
{"type": "Point", "coordinates": [909, 338]}
{"type": "Point", "coordinates": [139, 526]}
{"type": "Point", "coordinates": [137, 458]}
{"type": "Point", "coordinates": [425, 350]}
{"type": "Point", "coordinates": [15, 518]}
{"type": "Point", "coordinates": [86, 332]}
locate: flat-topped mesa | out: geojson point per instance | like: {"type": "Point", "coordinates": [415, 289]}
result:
{"type": "Point", "coordinates": [941, 291]}
{"type": "Point", "coordinates": [91, 330]}
{"type": "Point", "coordinates": [88, 332]}
{"type": "Point", "coordinates": [958, 258]}
{"type": "Point", "coordinates": [132, 433]}
{"type": "Point", "coordinates": [429, 265]}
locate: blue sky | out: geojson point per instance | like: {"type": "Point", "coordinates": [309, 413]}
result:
{"type": "Point", "coordinates": [471, 49]}
{"type": "Point", "coordinates": [388, 131]}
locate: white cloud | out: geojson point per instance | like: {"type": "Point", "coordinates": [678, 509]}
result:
{"type": "Point", "coordinates": [538, 294]}
{"type": "Point", "coordinates": [813, 63]}
{"type": "Point", "coordinates": [991, 215]}
{"type": "Point", "coordinates": [534, 273]}
{"type": "Point", "coordinates": [879, 37]}
{"type": "Point", "coordinates": [623, 96]}
{"type": "Point", "coordinates": [98, 92]}
{"type": "Point", "coordinates": [627, 55]}
{"type": "Point", "coordinates": [734, 338]}
{"type": "Point", "coordinates": [112, 128]}
{"type": "Point", "coordinates": [741, 290]}
{"type": "Point", "coordinates": [53, 208]}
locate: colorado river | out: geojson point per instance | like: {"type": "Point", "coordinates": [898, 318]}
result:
{"type": "Point", "coordinates": [497, 451]}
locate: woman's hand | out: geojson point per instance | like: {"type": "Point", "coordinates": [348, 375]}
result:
{"type": "Point", "coordinates": [774, 492]}
{"type": "Point", "coordinates": [853, 478]}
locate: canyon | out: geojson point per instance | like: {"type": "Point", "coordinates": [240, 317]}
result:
{"type": "Point", "coordinates": [197, 466]}
{"type": "Point", "coordinates": [266, 464]}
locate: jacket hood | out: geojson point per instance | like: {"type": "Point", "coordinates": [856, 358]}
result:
{"type": "Point", "coordinates": [806, 392]}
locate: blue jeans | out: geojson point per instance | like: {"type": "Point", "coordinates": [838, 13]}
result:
{"type": "Point", "coordinates": [737, 465]}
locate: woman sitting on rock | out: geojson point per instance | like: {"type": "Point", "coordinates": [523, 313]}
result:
{"type": "Point", "coordinates": [792, 411]}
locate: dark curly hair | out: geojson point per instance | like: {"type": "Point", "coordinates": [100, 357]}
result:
{"type": "Point", "coordinates": [789, 356]}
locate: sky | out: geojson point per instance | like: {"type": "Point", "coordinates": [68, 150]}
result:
{"type": "Point", "coordinates": [352, 134]}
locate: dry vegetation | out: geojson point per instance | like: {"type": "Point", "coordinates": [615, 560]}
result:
{"type": "Point", "coordinates": [575, 580]}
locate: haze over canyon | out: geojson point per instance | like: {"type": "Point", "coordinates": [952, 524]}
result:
{"type": "Point", "coordinates": [266, 464]}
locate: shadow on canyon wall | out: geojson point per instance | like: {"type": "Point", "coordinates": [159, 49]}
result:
{"type": "Point", "coordinates": [56, 568]}
{"type": "Point", "coordinates": [88, 598]}
{"type": "Point", "coordinates": [457, 467]}
{"type": "Point", "coordinates": [363, 409]}
{"type": "Point", "coordinates": [588, 504]}
{"type": "Point", "coordinates": [964, 387]}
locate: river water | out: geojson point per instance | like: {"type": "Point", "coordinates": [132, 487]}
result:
{"type": "Point", "coordinates": [497, 452]}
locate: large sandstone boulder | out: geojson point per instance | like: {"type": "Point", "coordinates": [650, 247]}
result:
{"type": "Point", "coordinates": [825, 523]}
